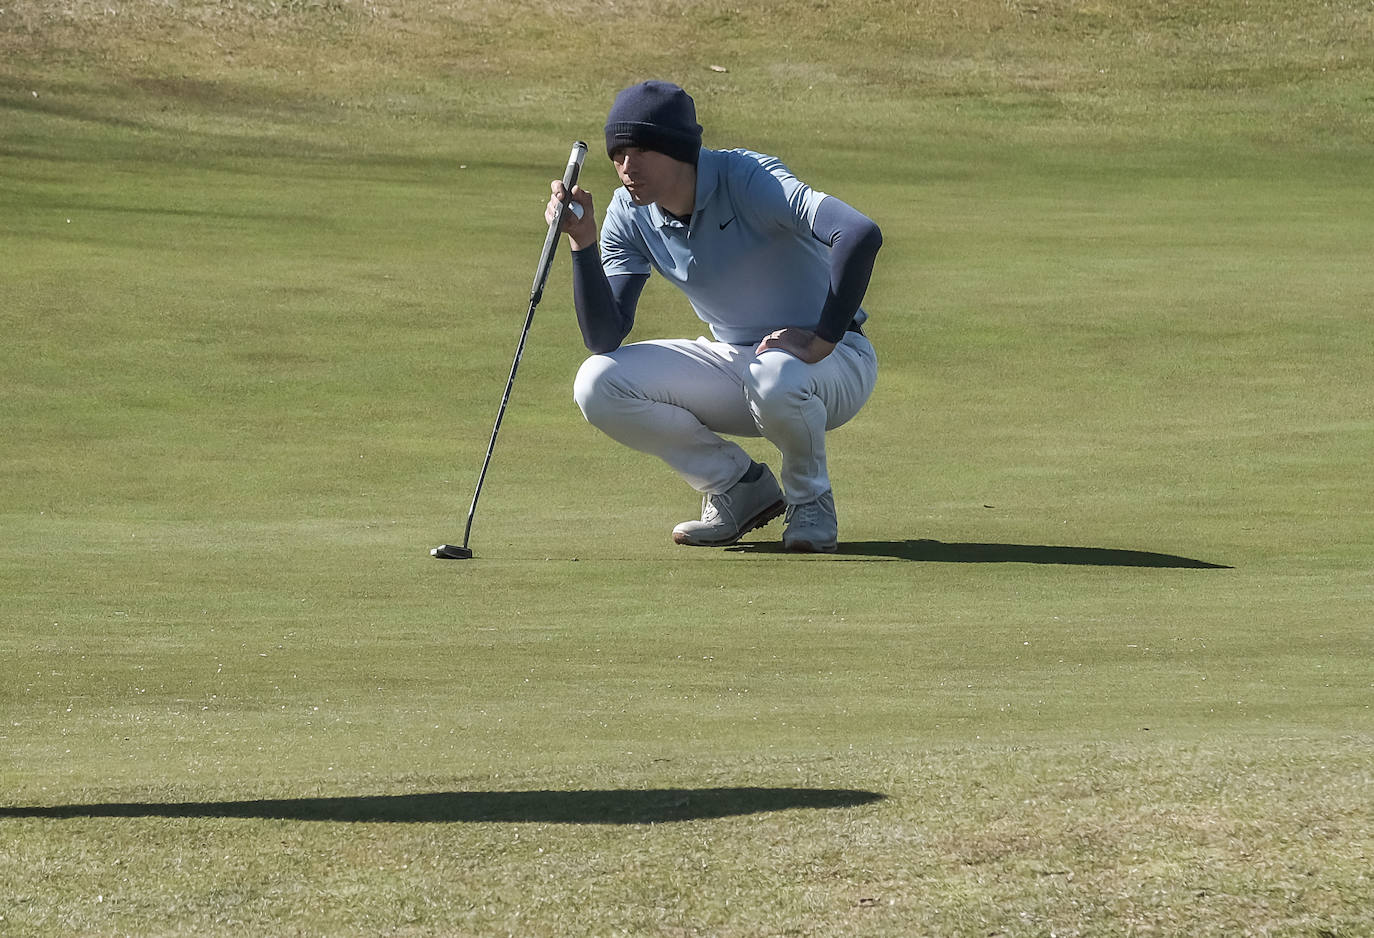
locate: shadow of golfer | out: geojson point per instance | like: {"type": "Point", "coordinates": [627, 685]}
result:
{"type": "Point", "coordinates": [623, 806]}
{"type": "Point", "coordinates": [941, 552]}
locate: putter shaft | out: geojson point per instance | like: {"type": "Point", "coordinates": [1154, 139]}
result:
{"type": "Point", "coordinates": [541, 277]}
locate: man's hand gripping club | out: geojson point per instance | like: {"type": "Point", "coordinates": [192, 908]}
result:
{"type": "Point", "coordinates": [579, 221]}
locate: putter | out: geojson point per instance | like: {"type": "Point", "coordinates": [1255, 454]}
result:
{"type": "Point", "coordinates": [541, 276]}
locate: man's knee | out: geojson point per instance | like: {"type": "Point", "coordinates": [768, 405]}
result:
{"type": "Point", "coordinates": [778, 382]}
{"type": "Point", "coordinates": [594, 387]}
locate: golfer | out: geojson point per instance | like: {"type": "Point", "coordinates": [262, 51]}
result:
{"type": "Point", "coordinates": [775, 269]}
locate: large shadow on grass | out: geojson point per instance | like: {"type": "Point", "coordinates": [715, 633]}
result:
{"type": "Point", "coordinates": [941, 552]}
{"type": "Point", "coordinates": [623, 806]}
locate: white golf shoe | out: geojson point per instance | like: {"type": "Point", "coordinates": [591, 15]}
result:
{"type": "Point", "coordinates": [727, 517]}
{"type": "Point", "coordinates": [812, 527]}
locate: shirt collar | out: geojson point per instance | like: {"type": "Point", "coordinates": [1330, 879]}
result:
{"type": "Point", "coordinates": [708, 177]}
{"type": "Point", "coordinates": [708, 180]}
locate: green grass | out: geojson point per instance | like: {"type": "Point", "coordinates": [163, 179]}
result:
{"type": "Point", "coordinates": [1095, 659]}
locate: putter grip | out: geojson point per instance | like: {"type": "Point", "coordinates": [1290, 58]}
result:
{"type": "Point", "coordinates": [541, 276]}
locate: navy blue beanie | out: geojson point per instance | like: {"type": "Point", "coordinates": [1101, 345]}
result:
{"type": "Point", "coordinates": [655, 115]}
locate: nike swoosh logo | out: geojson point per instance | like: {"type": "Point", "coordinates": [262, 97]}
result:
{"type": "Point", "coordinates": [725, 225]}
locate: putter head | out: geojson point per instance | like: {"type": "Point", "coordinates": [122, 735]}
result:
{"type": "Point", "coordinates": [451, 552]}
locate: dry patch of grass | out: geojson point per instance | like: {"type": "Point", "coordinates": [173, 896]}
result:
{"type": "Point", "coordinates": [1013, 43]}
{"type": "Point", "coordinates": [1295, 76]}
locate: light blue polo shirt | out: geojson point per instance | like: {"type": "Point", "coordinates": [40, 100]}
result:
{"type": "Point", "coordinates": [748, 262]}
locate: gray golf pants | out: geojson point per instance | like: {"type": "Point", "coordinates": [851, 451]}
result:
{"type": "Point", "coordinates": [673, 398]}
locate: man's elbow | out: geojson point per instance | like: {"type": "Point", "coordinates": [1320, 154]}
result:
{"type": "Point", "coordinates": [603, 343]}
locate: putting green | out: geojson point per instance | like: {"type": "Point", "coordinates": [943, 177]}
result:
{"type": "Point", "coordinates": [1093, 657]}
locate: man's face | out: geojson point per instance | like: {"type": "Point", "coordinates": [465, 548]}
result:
{"type": "Point", "coordinates": [645, 174]}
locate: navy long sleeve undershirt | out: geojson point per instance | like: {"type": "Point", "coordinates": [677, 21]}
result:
{"type": "Point", "coordinates": [854, 240]}
{"type": "Point", "coordinates": [606, 305]}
